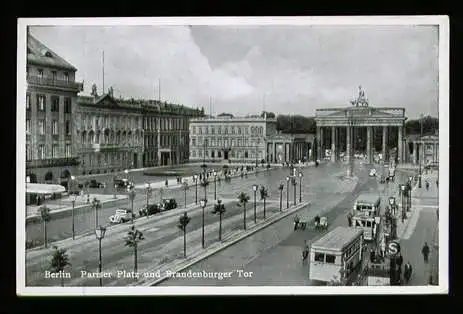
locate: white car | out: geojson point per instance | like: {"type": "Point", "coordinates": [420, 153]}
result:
{"type": "Point", "coordinates": [372, 172]}
{"type": "Point", "coordinates": [122, 215]}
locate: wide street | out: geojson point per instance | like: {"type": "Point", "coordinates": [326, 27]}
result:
{"type": "Point", "coordinates": [60, 226]}
{"type": "Point", "coordinates": [281, 264]}
{"type": "Point", "coordinates": [163, 240]}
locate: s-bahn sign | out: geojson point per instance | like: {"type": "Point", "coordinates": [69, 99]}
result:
{"type": "Point", "coordinates": [393, 248]}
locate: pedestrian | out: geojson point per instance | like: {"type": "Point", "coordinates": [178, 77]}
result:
{"type": "Point", "coordinates": [437, 213]}
{"type": "Point", "coordinates": [437, 182]}
{"type": "Point", "coordinates": [427, 185]}
{"type": "Point", "coordinates": [425, 251]}
{"type": "Point", "coordinates": [372, 256]}
{"type": "Point", "coordinates": [382, 247]}
{"type": "Point", "coordinates": [399, 260]}
{"type": "Point", "coordinates": [407, 272]}
{"type": "Point", "coordinates": [349, 219]}
{"type": "Point", "coordinates": [305, 252]}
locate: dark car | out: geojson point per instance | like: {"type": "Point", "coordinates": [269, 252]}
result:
{"type": "Point", "coordinates": [95, 184]}
{"type": "Point", "coordinates": [122, 184]}
{"type": "Point", "coordinates": [168, 204]}
{"type": "Point", "coordinates": [149, 210]}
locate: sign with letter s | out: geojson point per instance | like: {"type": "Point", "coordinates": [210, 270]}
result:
{"type": "Point", "coordinates": [393, 248]}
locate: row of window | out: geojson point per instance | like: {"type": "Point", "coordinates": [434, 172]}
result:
{"type": "Point", "coordinates": [118, 139]}
{"type": "Point", "coordinates": [54, 127]}
{"type": "Point", "coordinates": [166, 123]}
{"type": "Point", "coordinates": [106, 158]}
{"type": "Point", "coordinates": [240, 130]}
{"type": "Point", "coordinates": [41, 102]}
{"type": "Point", "coordinates": [224, 142]}
{"type": "Point", "coordinates": [42, 151]}
{"type": "Point", "coordinates": [54, 75]}
{"type": "Point", "coordinates": [96, 122]}
{"type": "Point", "coordinates": [232, 154]}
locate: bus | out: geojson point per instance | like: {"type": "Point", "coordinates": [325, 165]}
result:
{"type": "Point", "coordinates": [338, 254]}
{"type": "Point", "coordinates": [367, 204]}
{"type": "Point", "coordinates": [369, 225]}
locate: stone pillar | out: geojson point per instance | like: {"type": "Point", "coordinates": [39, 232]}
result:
{"type": "Point", "coordinates": [318, 142]}
{"type": "Point", "coordinates": [348, 142]}
{"type": "Point", "coordinates": [400, 145]}
{"type": "Point", "coordinates": [384, 142]}
{"type": "Point", "coordinates": [415, 154]}
{"type": "Point", "coordinates": [322, 143]}
{"type": "Point", "coordinates": [369, 150]}
{"type": "Point", "coordinates": [333, 144]}
{"type": "Point", "coordinates": [158, 140]}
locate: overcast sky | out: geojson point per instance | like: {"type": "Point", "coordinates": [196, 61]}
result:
{"type": "Point", "coordinates": [287, 69]}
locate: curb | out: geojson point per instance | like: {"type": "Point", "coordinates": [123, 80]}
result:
{"type": "Point", "coordinates": [223, 246]}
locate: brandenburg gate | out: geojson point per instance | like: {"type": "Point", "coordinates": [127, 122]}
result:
{"type": "Point", "coordinates": [350, 123]}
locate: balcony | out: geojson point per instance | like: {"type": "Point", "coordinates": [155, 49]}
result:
{"type": "Point", "coordinates": [106, 147]}
{"type": "Point", "coordinates": [53, 83]}
{"type": "Point", "coordinates": [52, 162]}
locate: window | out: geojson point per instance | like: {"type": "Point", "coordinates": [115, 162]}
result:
{"type": "Point", "coordinates": [40, 71]}
{"type": "Point", "coordinates": [319, 257]}
{"type": "Point", "coordinates": [54, 104]}
{"type": "Point", "coordinates": [41, 151]}
{"type": "Point", "coordinates": [212, 130]}
{"type": "Point", "coordinates": [225, 131]}
{"type": "Point", "coordinates": [239, 131]}
{"type": "Point", "coordinates": [200, 130]}
{"type": "Point", "coordinates": [41, 126]}
{"type": "Point", "coordinates": [193, 130]}
{"type": "Point", "coordinates": [66, 76]}
{"type": "Point", "coordinates": [28, 102]}
{"type": "Point", "coordinates": [28, 126]}
{"type": "Point", "coordinates": [246, 155]}
{"type": "Point", "coordinates": [233, 130]}
{"type": "Point", "coordinates": [212, 154]}
{"type": "Point", "coordinates": [28, 152]}
{"type": "Point", "coordinates": [239, 142]}
{"type": "Point", "coordinates": [54, 151]}
{"type": "Point", "coordinates": [68, 127]}
{"type": "Point", "coordinates": [330, 259]}
{"type": "Point", "coordinates": [206, 130]}
{"type": "Point", "coordinates": [67, 105]}
{"type": "Point", "coordinates": [53, 75]}
{"type": "Point", "coordinates": [193, 153]}
{"type": "Point", "coordinates": [219, 130]}
{"type": "Point", "coordinates": [193, 142]}
{"type": "Point", "coordinates": [369, 224]}
{"type": "Point", "coordinates": [219, 154]}
{"type": "Point", "coordinates": [54, 127]}
{"type": "Point", "coordinates": [200, 153]}
{"type": "Point", "coordinates": [41, 102]}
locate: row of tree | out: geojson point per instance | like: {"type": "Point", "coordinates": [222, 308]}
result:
{"type": "Point", "coordinates": [302, 124]}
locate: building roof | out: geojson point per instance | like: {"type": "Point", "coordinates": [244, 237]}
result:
{"type": "Point", "coordinates": [38, 53]}
{"type": "Point", "coordinates": [369, 198]}
{"type": "Point", "coordinates": [38, 188]}
{"type": "Point", "coordinates": [337, 239]}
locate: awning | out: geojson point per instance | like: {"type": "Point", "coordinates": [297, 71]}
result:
{"type": "Point", "coordinates": [38, 188]}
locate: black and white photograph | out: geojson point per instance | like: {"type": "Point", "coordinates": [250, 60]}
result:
{"type": "Point", "coordinates": [220, 155]}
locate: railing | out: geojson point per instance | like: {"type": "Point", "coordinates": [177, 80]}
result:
{"type": "Point", "coordinates": [55, 83]}
{"type": "Point", "coordinates": [52, 162]}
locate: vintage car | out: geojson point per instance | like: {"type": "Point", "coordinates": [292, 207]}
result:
{"type": "Point", "coordinates": [372, 172]}
{"type": "Point", "coordinates": [149, 210]}
{"type": "Point", "coordinates": [168, 204]}
{"type": "Point", "coordinates": [94, 184]}
{"type": "Point", "coordinates": [122, 215]}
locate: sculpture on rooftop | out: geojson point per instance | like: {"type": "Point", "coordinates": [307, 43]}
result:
{"type": "Point", "coordinates": [94, 92]}
{"type": "Point", "coordinates": [361, 99]}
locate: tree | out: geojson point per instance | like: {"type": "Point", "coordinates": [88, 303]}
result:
{"type": "Point", "coordinates": [132, 239]}
{"type": "Point", "coordinates": [263, 196]}
{"type": "Point", "coordinates": [183, 221]}
{"type": "Point", "coordinates": [243, 199]}
{"type": "Point", "coordinates": [96, 205]}
{"type": "Point", "coordinates": [295, 124]}
{"type": "Point", "coordinates": [185, 188]}
{"type": "Point", "coordinates": [219, 208]}
{"type": "Point", "coordinates": [430, 125]}
{"type": "Point", "coordinates": [59, 262]}
{"type": "Point", "coordinates": [270, 115]}
{"type": "Point", "coordinates": [44, 212]}
{"type": "Point", "coordinates": [280, 188]}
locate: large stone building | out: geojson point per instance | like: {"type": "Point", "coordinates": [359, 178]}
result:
{"type": "Point", "coordinates": [50, 101]}
{"type": "Point", "coordinates": [116, 134]}
{"type": "Point", "coordinates": [109, 134]}
{"type": "Point", "coordinates": [166, 134]}
{"type": "Point", "coordinates": [237, 139]}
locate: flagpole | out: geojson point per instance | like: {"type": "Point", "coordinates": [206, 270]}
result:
{"type": "Point", "coordinates": [103, 72]}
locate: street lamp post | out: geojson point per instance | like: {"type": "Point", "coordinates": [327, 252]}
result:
{"type": "Point", "coordinates": [402, 187]}
{"type": "Point", "coordinates": [195, 178]}
{"type": "Point", "coordinates": [148, 192]}
{"type": "Point", "coordinates": [287, 192]}
{"type": "Point", "coordinates": [100, 232]}
{"type": "Point", "coordinates": [421, 157]}
{"type": "Point", "coordinates": [203, 203]}
{"type": "Point", "coordinates": [74, 196]}
{"type": "Point", "coordinates": [300, 187]}
{"type": "Point", "coordinates": [96, 204]}
{"type": "Point", "coordinates": [254, 188]}
{"type": "Point", "coordinates": [132, 197]}
{"type": "Point", "coordinates": [410, 180]}
{"type": "Point", "coordinates": [294, 182]}
{"type": "Point", "coordinates": [281, 187]}
{"type": "Point", "coordinates": [215, 185]}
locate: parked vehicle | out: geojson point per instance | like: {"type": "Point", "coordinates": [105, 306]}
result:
{"type": "Point", "coordinates": [168, 204]}
{"type": "Point", "coordinates": [149, 210]}
{"type": "Point", "coordinates": [122, 215]}
{"type": "Point", "coordinates": [122, 183]}
{"type": "Point", "coordinates": [95, 184]}
{"type": "Point", "coordinates": [372, 172]}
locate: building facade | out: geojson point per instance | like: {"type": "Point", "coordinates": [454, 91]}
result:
{"type": "Point", "coordinates": [50, 101]}
{"type": "Point", "coordinates": [236, 139]}
{"type": "Point", "coordinates": [426, 150]}
{"type": "Point", "coordinates": [166, 133]}
{"type": "Point", "coordinates": [291, 148]}
{"type": "Point", "coordinates": [354, 129]}
{"type": "Point", "coordinates": [109, 134]}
